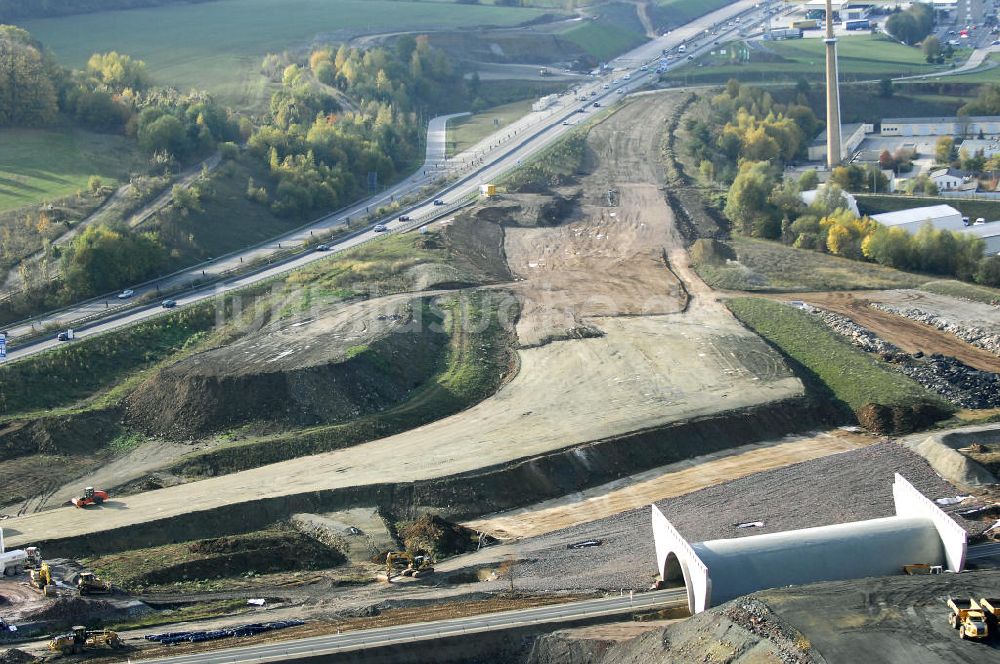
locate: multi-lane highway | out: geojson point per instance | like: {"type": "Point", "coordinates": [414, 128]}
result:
{"type": "Point", "coordinates": [390, 636]}
{"type": "Point", "coordinates": [482, 163]}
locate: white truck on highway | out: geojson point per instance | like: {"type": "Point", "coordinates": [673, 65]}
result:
{"type": "Point", "coordinates": [11, 562]}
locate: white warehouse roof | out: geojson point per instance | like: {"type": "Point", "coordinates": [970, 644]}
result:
{"type": "Point", "coordinates": [991, 229]}
{"type": "Point", "coordinates": [916, 215]}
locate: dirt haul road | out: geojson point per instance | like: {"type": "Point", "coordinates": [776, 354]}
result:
{"type": "Point", "coordinates": [645, 371]}
{"type": "Point", "coordinates": [909, 335]}
{"type": "Point", "coordinates": [665, 482]}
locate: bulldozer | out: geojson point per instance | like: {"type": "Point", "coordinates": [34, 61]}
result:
{"type": "Point", "coordinates": [41, 580]}
{"type": "Point", "coordinates": [91, 584]}
{"type": "Point", "coordinates": [74, 642]}
{"type": "Point", "coordinates": [404, 563]}
{"type": "Point", "coordinates": [91, 496]}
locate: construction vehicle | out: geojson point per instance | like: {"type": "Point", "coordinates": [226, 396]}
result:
{"type": "Point", "coordinates": [91, 584]}
{"type": "Point", "coordinates": [74, 642]}
{"type": "Point", "coordinates": [991, 608]}
{"type": "Point", "coordinates": [968, 618]}
{"type": "Point", "coordinates": [34, 557]}
{"type": "Point", "coordinates": [403, 563]}
{"type": "Point", "coordinates": [91, 496]}
{"type": "Point", "coordinates": [12, 562]}
{"type": "Point", "coordinates": [41, 579]}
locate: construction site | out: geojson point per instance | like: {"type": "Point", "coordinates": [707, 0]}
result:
{"type": "Point", "coordinates": [488, 423]}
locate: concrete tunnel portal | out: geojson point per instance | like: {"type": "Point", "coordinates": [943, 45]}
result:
{"type": "Point", "coordinates": [717, 571]}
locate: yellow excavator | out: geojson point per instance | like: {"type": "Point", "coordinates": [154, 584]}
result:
{"type": "Point", "coordinates": [404, 563]}
{"type": "Point", "coordinates": [41, 580]}
{"type": "Point", "coordinates": [74, 642]}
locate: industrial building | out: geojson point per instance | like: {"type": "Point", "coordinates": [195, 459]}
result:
{"type": "Point", "coordinates": [953, 126]}
{"type": "Point", "coordinates": [716, 571]}
{"type": "Point", "coordinates": [948, 179]}
{"type": "Point", "coordinates": [988, 146]}
{"type": "Point", "coordinates": [851, 137]}
{"type": "Point", "coordinates": [990, 233]}
{"type": "Point", "coordinates": [942, 217]}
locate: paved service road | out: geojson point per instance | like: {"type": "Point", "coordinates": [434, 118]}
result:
{"type": "Point", "coordinates": [482, 163]}
{"type": "Point", "coordinates": [388, 636]}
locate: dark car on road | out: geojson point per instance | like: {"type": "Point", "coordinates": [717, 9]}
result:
{"type": "Point", "coordinates": [169, 304]}
{"type": "Point", "coordinates": [438, 201]}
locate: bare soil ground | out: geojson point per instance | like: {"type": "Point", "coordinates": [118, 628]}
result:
{"type": "Point", "coordinates": [911, 336]}
{"type": "Point", "coordinates": [665, 482]}
{"type": "Point", "coordinates": [644, 372]}
{"type": "Point", "coordinates": [839, 488]}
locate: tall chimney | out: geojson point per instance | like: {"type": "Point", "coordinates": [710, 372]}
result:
{"type": "Point", "coordinates": [833, 144]}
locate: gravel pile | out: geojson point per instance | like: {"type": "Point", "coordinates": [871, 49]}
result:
{"type": "Point", "coordinates": [971, 335]}
{"type": "Point", "coordinates": [860, 336]}
{"type": "Point", "coordinates": [851, 486]}
{"type": "Point", "coordinates": [957, 382]}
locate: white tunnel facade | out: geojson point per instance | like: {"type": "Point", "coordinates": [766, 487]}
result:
{"type": "Point", "coordinates": [719, 570]}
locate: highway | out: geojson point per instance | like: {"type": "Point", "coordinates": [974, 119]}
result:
{"type": "Point", "coordinates": [482, 163]}
{"type": "Point", "coordinates": [389, 636]}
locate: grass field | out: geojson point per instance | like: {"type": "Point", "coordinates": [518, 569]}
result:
{"type": "Point", "coordinates": [603, 39]}
{"type": "Point", "coordinates": [963, 290]}
{"type": "Point", "coordinates": [465, 132]}
{"type": "Point", "coordinates": [771, 266]}
{"type": "Point", "coordinates": [860, 58]}
{"type": "Point", "coordinates": [218, 45]}
{"type": "Point", "coordinates": [853, 378]}
{"type": "Point", "coordinates": [677, 12]}
{"type": "Point", "coordinates": [42, 165]}
{"type": "Point", "coordinates": [985, 76]}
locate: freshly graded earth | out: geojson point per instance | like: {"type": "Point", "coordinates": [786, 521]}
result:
{"type": "Point", "coordinates": [635, 373]}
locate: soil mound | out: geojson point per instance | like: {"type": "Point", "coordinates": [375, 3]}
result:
{"type": "Point", "coordinates": [334, 367]}
{"type": "Point", "coordinates": [443, 538]}
{"type": "Point", "coordinates": [83, 433]}
{"type": "Point", "coordinates": [15, 656]}
{"type": "Point", "coordinates": [743, 631]}
{"type": "Point", "coordinates": [897, 419]}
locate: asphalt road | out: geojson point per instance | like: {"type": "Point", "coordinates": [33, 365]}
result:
{"type": "Point", "coordinates": [386, 636]}
{"type": "Point", "coordinates": [480, 164]}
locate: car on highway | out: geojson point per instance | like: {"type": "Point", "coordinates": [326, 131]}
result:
{"type": "Point", "coordinates": [404, 217]}
{"type": "Point", "coordinates": [323, 247]}
{"type": "Point", "coordinates": [168, 304]}
{"type": "Point", "coordinates": [597, 104]}
{"type": "Point", "coordinates": [380, 228]}
{"type": "Point", "coordinates": [65, 336]}
{"type": "Point", "coordinates": [628, 77]}
{"type": "Point", "coordinates": [690, 57]}
{"type": "Point", "coordinates": [565, 123]}
{"type": "Point", "coordinates": [438, 201]}
{"type": "Point", "coordinates": [126, 294]}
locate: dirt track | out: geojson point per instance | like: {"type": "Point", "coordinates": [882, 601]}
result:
{"type": "Point", "coordinates": [665, 482]}
{"type": "Point", "coordinates": [644, 372]}
{"type": "Point", "coordinates": [909, 335]}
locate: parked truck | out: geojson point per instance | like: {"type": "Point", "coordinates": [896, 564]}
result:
{"type": "Point", "coordinates": [804, 24]}
{"type": "Point", "coordinates": [968, 618]}
{"type": "Point", "coordinates": [991, 608]}
{"type": "Point", "coordinates": [11, 562]}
